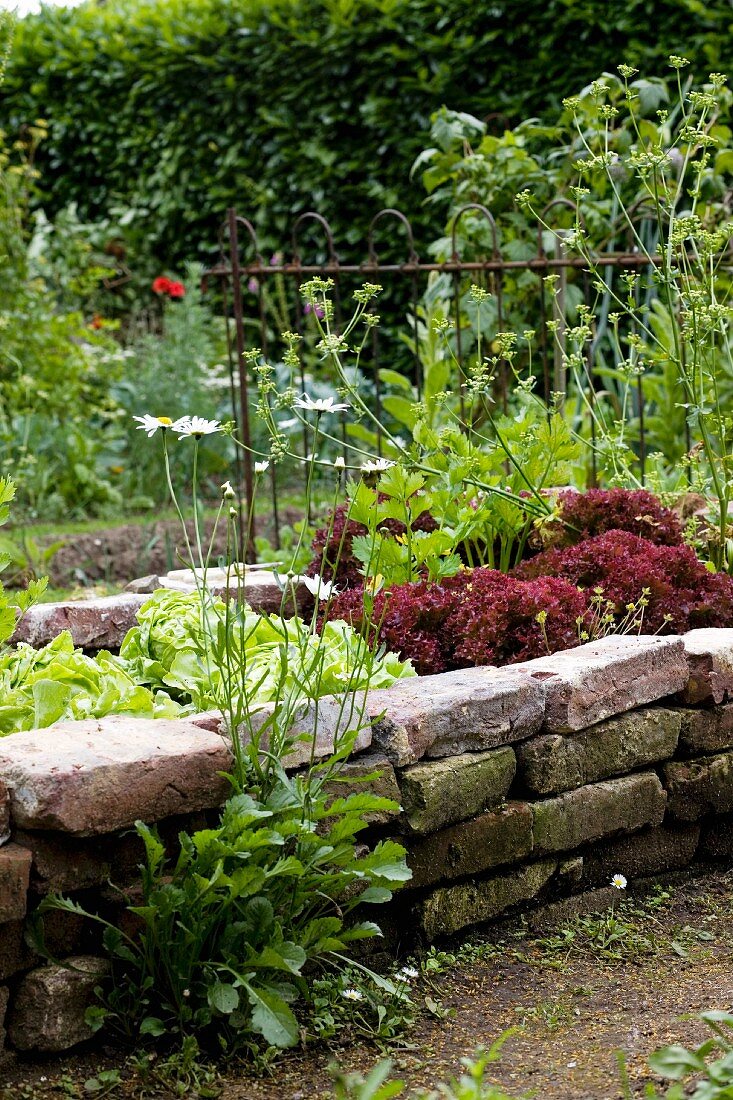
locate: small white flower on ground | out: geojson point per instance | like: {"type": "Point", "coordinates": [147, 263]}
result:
{"type": "Point", "coordinates": [195, 426]}
{"type": "Point", "coordinates": [376, 466]}
{"type": "Point", "coordinates": [407, 973]}
{"type": "Point", "coordinates": [619, 882]}
{"type": "Point", "coordinates": [262, 467]}
{"type": "Point", "coordinates": [186, 992]}
{"type": "Point", "coordinates": [353, 995]}
{"type": "Point", "coordinates": [319, 587]}
{"type": "Point", "coordinates": [150, 424]}
{"type": "Point", "coordinates": [318, 405]}
{"type": "Point", "coordinates": [226, 490]}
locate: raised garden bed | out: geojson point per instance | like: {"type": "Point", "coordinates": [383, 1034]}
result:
{"type": "Point", "coordinates": [526, 785]}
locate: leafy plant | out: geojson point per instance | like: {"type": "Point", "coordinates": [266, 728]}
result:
{"type": "Point", "coordinates": [225, 931]}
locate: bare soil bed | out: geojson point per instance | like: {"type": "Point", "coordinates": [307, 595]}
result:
{"type": "Point", "coordinates": [573, 1005]}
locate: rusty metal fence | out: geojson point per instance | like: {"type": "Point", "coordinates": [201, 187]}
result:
{"type": "Point", "coordinates": [243, 275]}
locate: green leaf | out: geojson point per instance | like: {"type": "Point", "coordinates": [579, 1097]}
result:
{"type": "Point", "coordinates": [271, 1017]}
{"type": "Point", "coordinates": [223, 997]}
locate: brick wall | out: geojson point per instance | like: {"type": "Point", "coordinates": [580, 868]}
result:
{"type": "Point", "coordinates": [518, 786]}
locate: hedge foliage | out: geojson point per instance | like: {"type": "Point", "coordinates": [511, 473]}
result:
{"type": "Point", "coordinates": [163, 112]}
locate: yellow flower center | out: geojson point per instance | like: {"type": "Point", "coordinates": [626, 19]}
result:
{"type": "Point", "coordinates": [165, 421]}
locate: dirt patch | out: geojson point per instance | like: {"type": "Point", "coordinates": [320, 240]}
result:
{"type": "Point", "coordinates": [116, 555]}
{"type": "Point", "coordinates": [571, 1007]}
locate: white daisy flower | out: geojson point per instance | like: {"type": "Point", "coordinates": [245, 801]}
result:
{"type": "Point", "coordinates": [196, 426]}
{"type": "Point", "coordinates": [407, 973]}
{"type": "Point", "coordinates": [322, 590]}
{"type": "Point", "coordinates": [619, 882]}
{"type": "Point", "coordinates": [285, 424]}
{"type": "Point", "coordinates": [318, 405]}
{"type": "Point", "coordinates": [262, 467]}
{"type": "Point", "coordinates": [353, 995]}
{"type": "Point", "coordinates": [150, 424]}
{"type": "Point", "coordinates": [376, 466]}
{"type": "Point", "coordinates": [227, 491]}
{"type": "Point", "coordinates": [340, 462]}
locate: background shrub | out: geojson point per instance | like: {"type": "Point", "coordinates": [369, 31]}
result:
{"type": "Point", "coordinates": [280, 105]}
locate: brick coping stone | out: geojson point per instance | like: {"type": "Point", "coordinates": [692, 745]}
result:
{"type": "Point", "coordinates": [93, 777]}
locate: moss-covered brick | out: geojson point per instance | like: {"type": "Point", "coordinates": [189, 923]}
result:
{"type": "Point", "coordinates": [555, 763]}
{"type": "Point", "coordinates": [491, 839]}
{"type": "Point", "coordinates": [451, 908]}
{"type": "Point", "coordinates": [441, 792]}
{"type": "Point", "coordinates": [699, 787]}
{"type": "Point", "coordinates": [706, 730]}
{"type": "Point", "coordinates": [601, 809]}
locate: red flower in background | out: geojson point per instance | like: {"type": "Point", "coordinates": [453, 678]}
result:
{"type": "Point", "coordinates": [161, 285]}
{"type": "Point", "coordinates": [172, 289]}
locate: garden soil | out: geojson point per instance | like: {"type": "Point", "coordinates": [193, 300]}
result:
{"type": "Point", "coordinates": [571, 1009]}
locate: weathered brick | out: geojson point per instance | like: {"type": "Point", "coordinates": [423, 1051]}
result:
{"type": "Point", "coordinates": [259, 587]}
{"type": "Point", "coordinates": [95, 777]}
{"type": "Point", "coordinates": [15, 954]}
{"type": "Point", "coordinates": [556, 762]}
{"type": "Point", "coordinates": [383, 786]}
{"type": "Point", "coordinates": [502, 836]}
{"type": "Point", "coordinates": [64, 863]}
{"type": "Point", "coordinates": [592, 682]}
{"type": "Point", "coordinates": [668, 847]}
{"type": "Point", "coordinates": [4, 813]}
{"type": "Point", "coordinates": [47, 1013]}
{"type": "Point", "coordinates": [709, 655]}
{"type": "Point", "coordinates": [15, 869]}
{"type": "Point", "coordinates": [707, 730]}
{"type": "Point", "coordinates": [699, 787]}
{"type": "Point", "coordinates": [328, 722]}
{"type": "Point", "coordinates": [455, 712]}
{"type": "Point", "coordinates": [436, 793]}
{"type": "Point", "coordinates": [4, 994]}
{"type": "Point", "coordinates": [451, 908]}
{"type": "Point", "coordinates": [602, 809]}
{"type": "Point", "coordinates": [100, 623]}
{"type": "Point", "coordinates": [567, 909]}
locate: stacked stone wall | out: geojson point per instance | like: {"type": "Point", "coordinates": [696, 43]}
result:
{"type": "Point", "coordinates": [527, 786]}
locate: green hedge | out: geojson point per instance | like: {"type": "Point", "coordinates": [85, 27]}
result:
{"type": "Point", "coordinates": [175, 109]}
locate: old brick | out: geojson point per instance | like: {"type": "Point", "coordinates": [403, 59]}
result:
{"type": "Point", "coordinates": [15, 953]}
{"type": "Point", "coordinates": [63, 863]}
{"type": "Point", "coordinates": [15, 869]}
{"type": "Point", "coordinates": [699, 787]}
{"type": "Point", "coordinates": [47, 1013]}
{"type": "Point", "coordinates": [99, 776]}
{"type": "Point", "coordinates": [592, 682]}
{"type": "Point", "coordinates": [100, 623]}
{"type": "Point", "coordinates": [567, 909]}
{"type": "Point", "coordinates": [709, 655]}
{"type": "Point", "coordinates": [436, 793]}
{"type": "Point", "coordinates": [4, 813]}
{"type": "Point", "coordinates": [668, 847]}
{"type": "Point", "coordinates": [588, 813]}
{"type": "Point", "coordinates": [707, 730]}
{"type": "Point", "coordinates": [4, 994]}
{"type": "Point", "coordinates": [259, 587]}
{"type": "Point", "coordinates": [503, 836]}
{"type": "Point", "coordinates": [556, 762]}
{"type": "Point", "coordinates": [455, 712]}
{"type": "Point", "coordinates": [352, 780]}
{"type": "Point", "coordinates": [716, 839]}
{"type": "Point", "coordinates": [451, 908]}
{"type": "Point", "coordinates": [317, 730]}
